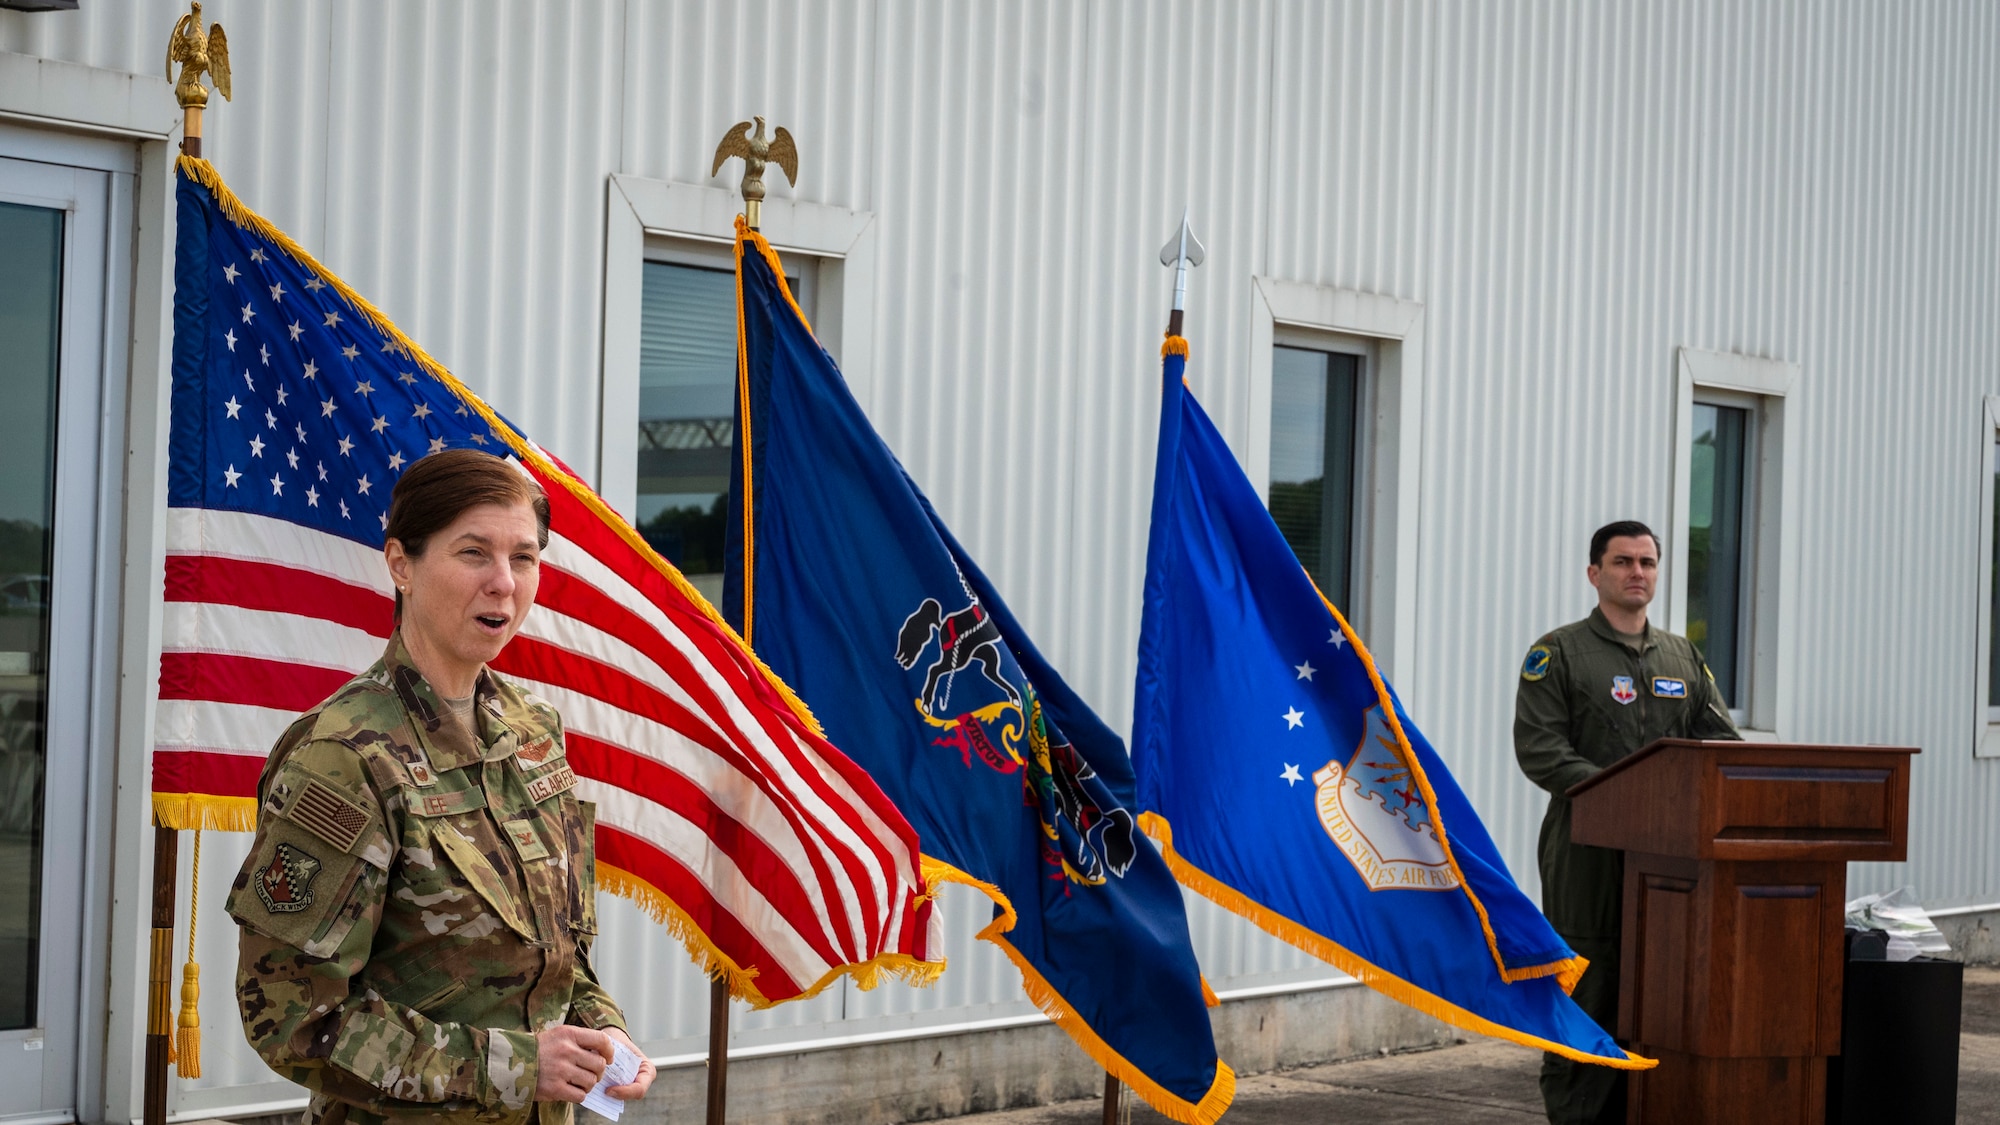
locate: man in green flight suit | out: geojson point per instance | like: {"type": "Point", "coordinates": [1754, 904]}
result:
{"type": "Point", "coordinates": [1591, 693]}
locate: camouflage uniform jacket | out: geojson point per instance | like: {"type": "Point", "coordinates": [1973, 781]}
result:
{"type": "Point", "coordinates": [1584, 701]}
{"type": "Point", "coordinates": [418, 903]}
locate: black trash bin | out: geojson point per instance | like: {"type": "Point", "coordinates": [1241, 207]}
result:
{"type": "Point", "coordinates": [1898, 1056]}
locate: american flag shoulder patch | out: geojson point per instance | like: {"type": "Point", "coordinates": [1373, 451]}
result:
{"type": "Point", "coordinates": [328, 813]}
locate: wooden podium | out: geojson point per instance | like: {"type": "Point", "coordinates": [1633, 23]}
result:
{"type": "Point", "coordinates": [1736, 860]}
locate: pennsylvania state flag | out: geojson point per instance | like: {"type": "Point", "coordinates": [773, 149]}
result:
{"type": "Point", "coordinates": [1285, 782]}
{"type": "Point", "coordinates": [849, 586]}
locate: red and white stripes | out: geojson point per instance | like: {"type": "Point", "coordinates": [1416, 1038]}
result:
{"type": "Point", "coordinates": [710, 790]}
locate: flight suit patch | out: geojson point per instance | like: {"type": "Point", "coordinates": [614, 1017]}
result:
{"type": "Point", "coordinates": [285, 883]}
{"type": "Point", "coordinates": [527, 841]}
{"type": "Point", "coordinates": [1537, 664]}
{"type": "Point", "coordinates": [1666, 687]}
{"type": "Point", "coordinates": [1622, 690]}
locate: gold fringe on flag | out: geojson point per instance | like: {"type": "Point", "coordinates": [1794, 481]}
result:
{"type": "Point", "coordinates": [1344, 959]}
{"type": "Point", "coordinates": [716, 965]}
{"type": "Point", "coordinates": [1170, 1105]}
{"type": "Point", "coordinates": [188, 811]}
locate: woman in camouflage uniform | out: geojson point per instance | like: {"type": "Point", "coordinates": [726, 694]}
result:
{"type": "Point", "coordinates": [417, 911]}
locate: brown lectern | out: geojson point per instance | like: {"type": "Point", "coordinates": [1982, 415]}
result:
{"type": "Point", "coordinates": [1736, 860]}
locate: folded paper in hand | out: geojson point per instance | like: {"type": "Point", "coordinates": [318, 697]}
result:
{"type": "Point", "coordinates": [624, 1068]}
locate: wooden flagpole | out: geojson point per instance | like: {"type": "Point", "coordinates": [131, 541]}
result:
{"type": "Point", "coordinates": [718, 1049]}
{"type": "Point", "coordinates": [159, 1006]}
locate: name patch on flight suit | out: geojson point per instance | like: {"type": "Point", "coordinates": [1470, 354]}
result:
{"type": "Point", "coordinates": [1666, 687]}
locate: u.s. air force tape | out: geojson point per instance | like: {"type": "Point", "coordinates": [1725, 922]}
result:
{"type": "Point", "coordinates": [328, 813]}
{"type": "Point", "coordinates": [542, 786]}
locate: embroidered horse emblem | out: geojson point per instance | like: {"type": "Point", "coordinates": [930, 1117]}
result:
{"type": "Point", "coordinates": [965, 637]}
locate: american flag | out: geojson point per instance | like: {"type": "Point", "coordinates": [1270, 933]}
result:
{"type": "Point", "coordinates": [295, 407]}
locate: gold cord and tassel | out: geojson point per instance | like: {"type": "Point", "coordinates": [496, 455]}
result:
{"type": "Point", "coordinates": [187, 1044]}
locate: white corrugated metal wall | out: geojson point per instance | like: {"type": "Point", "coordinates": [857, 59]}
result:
{"type": "Point", "coordinates": [1572, 191]}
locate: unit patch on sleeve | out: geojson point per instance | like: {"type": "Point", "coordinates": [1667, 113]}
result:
{"type": "Point", "coordinates": [1537, 664]}
{"type": "Point", "coordinates": [328, 813]}
{"type": "Point", "coordinates": [560, 779]}
{"type": "Point", "coordinates": [1666, 687]}
{"type": "Point", "coordinates": [285, 883]}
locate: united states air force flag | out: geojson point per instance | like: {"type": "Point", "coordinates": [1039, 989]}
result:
{"type": "Point", "coordinates": [849, 586]}
{"type": "Point", "coordinates": [1286, 783]}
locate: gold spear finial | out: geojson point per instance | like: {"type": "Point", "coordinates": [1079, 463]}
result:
{"type": "Point", "coordinates": [198, 53]}
{"type": "Point", "coordinates": [756, 152]}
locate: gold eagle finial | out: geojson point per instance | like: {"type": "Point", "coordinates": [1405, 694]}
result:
{"type": "Point", "coordinates": [198, 54]}
{"type": "Point", "coordinates": [756, 152]}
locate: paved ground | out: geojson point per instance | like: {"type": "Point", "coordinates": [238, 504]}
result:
{"type": "Point", "coordinates": [1486, 1082]}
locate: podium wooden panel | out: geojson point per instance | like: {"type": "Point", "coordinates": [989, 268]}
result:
{"type": "Point", "coordinates": [1736, 860]}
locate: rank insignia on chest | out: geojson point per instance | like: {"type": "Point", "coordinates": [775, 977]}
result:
{"type": "Point", "coordinates": [285, 883]}
{"type": "Point", "coordinates": [1622, 690]}
{"type": "Point", "coordinates": [526, 840]}
{"type": "Point", "coordinates": [1666, 687]}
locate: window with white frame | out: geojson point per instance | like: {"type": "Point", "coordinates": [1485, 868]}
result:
{"type": "Point", "coordinates": [687, 396]}
{"type": "Point", "coordinates": [1721, 498]}
{"type": "Point", "coordinates": [1333, 444]}
{"type": "Point", "coordinates": [1316, 402]}
{"type": "Point", "coordinates": [1732, 543]}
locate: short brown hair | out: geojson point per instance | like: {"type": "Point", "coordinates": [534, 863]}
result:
{"type": "Point", "coordinates": [440, 487]}
{"type": "Point", "coordinates": [1600, 540]}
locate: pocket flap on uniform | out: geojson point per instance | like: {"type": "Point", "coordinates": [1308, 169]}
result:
{"type": "Point", "coordinates": [484, 880]}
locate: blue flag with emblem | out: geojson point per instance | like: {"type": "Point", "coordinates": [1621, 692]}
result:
{"type": "Point", "coordinates": [849, 586]}
{"type": "Point", "coordinates": [1285, 782]}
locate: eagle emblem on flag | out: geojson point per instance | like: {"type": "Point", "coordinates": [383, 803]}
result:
{"type": "Point", "coordinates": [1374, 811]}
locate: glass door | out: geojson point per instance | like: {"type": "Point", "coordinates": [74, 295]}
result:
{"type": "Point", "coordinates": [53, 328]}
